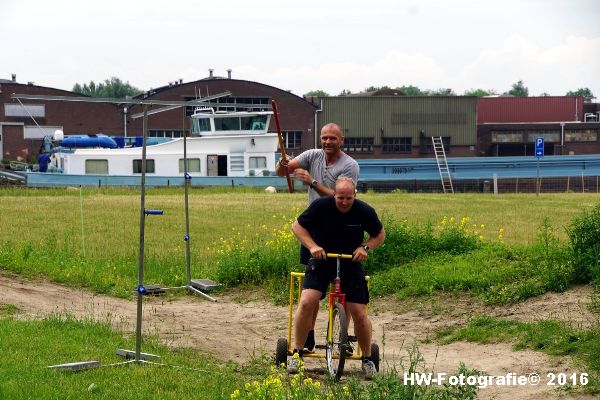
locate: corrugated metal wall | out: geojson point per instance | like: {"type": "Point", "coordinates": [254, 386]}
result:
{"type": "Point", "coordinates": [394, 116]}
{"type": "Point", "coordinates": [529, 109]}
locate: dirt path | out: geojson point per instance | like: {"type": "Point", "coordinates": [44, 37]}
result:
{"type": "Point", "coordinates": [229, 330]}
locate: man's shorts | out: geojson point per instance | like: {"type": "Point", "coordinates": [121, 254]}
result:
{"type": "Point", "coordinates": [320, 273]}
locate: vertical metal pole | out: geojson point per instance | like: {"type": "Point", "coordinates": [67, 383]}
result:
{"type": "Point", "coordinates": [537, 181]}
{"type": "Point", "coordinates": [81, 213]}
{"type": "Point", "coordinates": [186, 180]}
{"type": "Point", "coordinates": [138, 328]}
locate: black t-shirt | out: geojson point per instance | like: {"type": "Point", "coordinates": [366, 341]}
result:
{"type": "Point", "coordinates": [338, 232]}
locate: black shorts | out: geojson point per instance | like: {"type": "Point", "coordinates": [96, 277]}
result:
{"type": "Point", "coordinates": [319, 274]}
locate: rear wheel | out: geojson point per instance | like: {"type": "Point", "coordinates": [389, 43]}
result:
{"type": "Point", "coordinates": [281, 352]}
{"type": "Point", "coordinates": [335, 354]}
{"type": "Point", "coordinates": [375, 355]}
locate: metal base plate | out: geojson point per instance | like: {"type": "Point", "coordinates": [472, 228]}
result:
{"type": "Point", "coordinates": [205, 285]}
{"type": "Point", "coordinates": [76, 366]}
{"type": "Point", "coordinates": [128, 354]}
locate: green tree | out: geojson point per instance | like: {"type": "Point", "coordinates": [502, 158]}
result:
{"type": "Point", "coordinates": [441, 92]}
{"type": "Point", "coordinates": [375, 88]}
{"type": "Point", "coordinates": [587, 94]}
{"type": "Point", "coordinates": [113, 87]}
{"type": "Point", "coordinates": [411, 90]}
{"type": "Point", "coordinates": [518, 90]}
{"type": "Point", "coordinates": [316, 93]}
{"type": "Point", "coordinates": [345, 92]}
{"type": "Point", "coordinates": [479, 92]}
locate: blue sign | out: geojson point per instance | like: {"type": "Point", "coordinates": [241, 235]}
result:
{"type": "Point", "coordinates": [539, 147]}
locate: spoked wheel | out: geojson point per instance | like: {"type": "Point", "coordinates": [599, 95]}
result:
{"type": "Point", "coordinates": [335, 354]}
{"type": "Point", "coordinates": [281, 352]}
{"type": "Point", "coordinates": [375, 355]}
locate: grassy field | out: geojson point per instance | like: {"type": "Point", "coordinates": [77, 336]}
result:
{"type": "Point", "coordinates": [523, 253]}
{"type": "Point", "coordinates": [43, 234]}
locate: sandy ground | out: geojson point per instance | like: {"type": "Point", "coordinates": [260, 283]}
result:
{"type": "Point", "coordinates": [234, 330]}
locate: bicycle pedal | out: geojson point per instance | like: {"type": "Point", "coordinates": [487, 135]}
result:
{"type": "Point", "coordinates": [352, 338]}
{"type": "Point", "coordinates": [321, 346]}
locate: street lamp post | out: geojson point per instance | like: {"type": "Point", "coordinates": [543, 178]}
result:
{"type": "Point", "coordinates": [562, 138]}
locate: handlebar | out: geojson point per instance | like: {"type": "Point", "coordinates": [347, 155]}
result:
{"type": "Point", "coordinates": [335, 255]}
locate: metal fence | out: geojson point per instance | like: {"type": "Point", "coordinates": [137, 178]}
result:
{"type": "Point", "coordinates": [568, 184]}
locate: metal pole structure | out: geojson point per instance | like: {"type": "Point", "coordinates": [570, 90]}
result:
{"type": "Point", "coordinates": [537, 181]}
{"type": "Point", "coordinates": [186, 185]}
{"type": "Point", "coordinates": [140, 288]}
{"type": "Point", "coordinates": [125, 121]}
{"type": "Point", "coordinates": [562, 138]}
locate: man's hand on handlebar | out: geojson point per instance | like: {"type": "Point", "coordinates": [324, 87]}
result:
{"type": "Point", "coordinates": [318, 253]}
{"type": "Point", "coordinates": [360, 254]}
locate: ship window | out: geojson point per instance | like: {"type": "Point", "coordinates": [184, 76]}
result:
{"type": "Point", "coordinates": [258, 162]}
{"type": "Point", "coordinates": [137, 166]}
{"type": "Point", "coordinates": [96, 167]}
{"type": "Point", "coordinates": [227, 124]}
{"type": "Point", "coordinates": [200, 125]}
{"type": "Point", "coordinates": [397, 145]}
{"type": "Point", "coordinates": [193, 165]}
{"type": "Point", "coordinates": [256, 123]}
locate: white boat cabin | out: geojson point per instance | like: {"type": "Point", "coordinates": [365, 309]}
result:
{"type": "Point", "coordinates": [221, 144]}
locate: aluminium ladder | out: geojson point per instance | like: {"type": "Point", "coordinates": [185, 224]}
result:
{"type": "Point", "coordinates": [442, 163]}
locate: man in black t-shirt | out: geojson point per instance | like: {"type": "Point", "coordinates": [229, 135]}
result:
{"type": "Point", "coordinates": [337, 225]}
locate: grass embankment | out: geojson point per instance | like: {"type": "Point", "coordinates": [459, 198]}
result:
{"type": "Point", "coordinates": [43, 235]}
{"type": "Point", "coordinates": [503, 248]}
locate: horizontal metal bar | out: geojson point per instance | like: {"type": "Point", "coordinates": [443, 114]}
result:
{"type": "Point", "coordinates": [118, 101]}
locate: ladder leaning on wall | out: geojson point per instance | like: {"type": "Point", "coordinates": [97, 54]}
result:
{"type": "Point", "coordinates": [442, 163]}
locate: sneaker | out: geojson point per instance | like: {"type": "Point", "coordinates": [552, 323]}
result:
{"type": "Point", "coordinates": [293, 363]}
{"type": "Point", "coordinates": [369, 369]}
{"type": "Point", "coordinates": [349, 350]}
{"type": "Point", "coordinates": [309, 345]}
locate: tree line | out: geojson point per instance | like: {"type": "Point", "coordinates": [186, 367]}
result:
{"type": "Point", "coordinates": [518, 89]}
{"type": "Point", "coordinates": [116, 88]}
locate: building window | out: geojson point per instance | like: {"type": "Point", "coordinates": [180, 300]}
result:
{"type": "Point", "coordinates": [427, 147]}
{"type": "Point", "coordinates": [587, 135]}
{"type": "Point", "coordinates": [193, 165]}
{"type": "Point", "coordinates": [292, 139]}
{"type": "Point", "coordinates": [168, 133]}
{"type": "Point", "coordinates": [97, 167]}
{"type": "Point", "coordinates": [17, 110]}
{"type": "Point", "coordinates": [238, 104]}
{"type": "Point", "coordinates": [258, 162]}
{"type": "Point", "coordinates": [397, 145]}
{"type": "Point", "coordinates": [358, 145]}
{"type": "Point", "coordinates": [137, 166]}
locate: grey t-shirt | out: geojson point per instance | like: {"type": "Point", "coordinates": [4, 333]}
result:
{"type": "Point", "coordinates": [314, 162]}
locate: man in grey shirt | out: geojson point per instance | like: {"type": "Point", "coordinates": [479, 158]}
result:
{"type": "Point", "coordinates": [319, 169]}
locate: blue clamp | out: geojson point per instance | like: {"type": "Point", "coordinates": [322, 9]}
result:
{"type": "Point", "coordinates": [187, 176]}
{"type": "Point", "coordinates": [153, 212]}
{"type": "Point", "coordinates": [186, 237]}
{"type": "Point", "coordinates": [141, 289]}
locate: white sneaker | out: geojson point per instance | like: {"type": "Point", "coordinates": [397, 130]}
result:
{"type": "Point", "coordinates": [369, 369]}
{"type": "Point", "coordinates": [293, 364]}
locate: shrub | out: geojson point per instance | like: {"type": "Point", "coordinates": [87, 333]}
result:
{"type": "Point", "coordinates": [584, 234]}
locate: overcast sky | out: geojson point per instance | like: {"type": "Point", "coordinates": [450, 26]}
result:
{"type": "Point", "coordinates": [303, 45]}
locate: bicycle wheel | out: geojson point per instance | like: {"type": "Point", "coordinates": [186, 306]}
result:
{"type": "Point", "coordinates": [281, 352]}
{"type": "Point", "coordinates": [335, 354]}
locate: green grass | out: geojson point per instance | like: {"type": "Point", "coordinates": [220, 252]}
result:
{"type": "Point", "coordinates": [28, 347]}
{"type": "Point", "coordinates": [549, 336]}
{"type": "Point", "coordinates": [42, 235]}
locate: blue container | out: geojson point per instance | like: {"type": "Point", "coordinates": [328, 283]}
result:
{"type": "Point", "coordinates": [139, 141]}
{"type": "Point", "coordinates": [99, 140]}
{"type": "Point", "coordinates": [120, 140]}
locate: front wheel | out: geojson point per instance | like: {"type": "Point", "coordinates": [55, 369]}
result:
{"type": "Point", "coordinates": [335, 354]}
{"type": "Point", "coordinates": [281, 352]}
